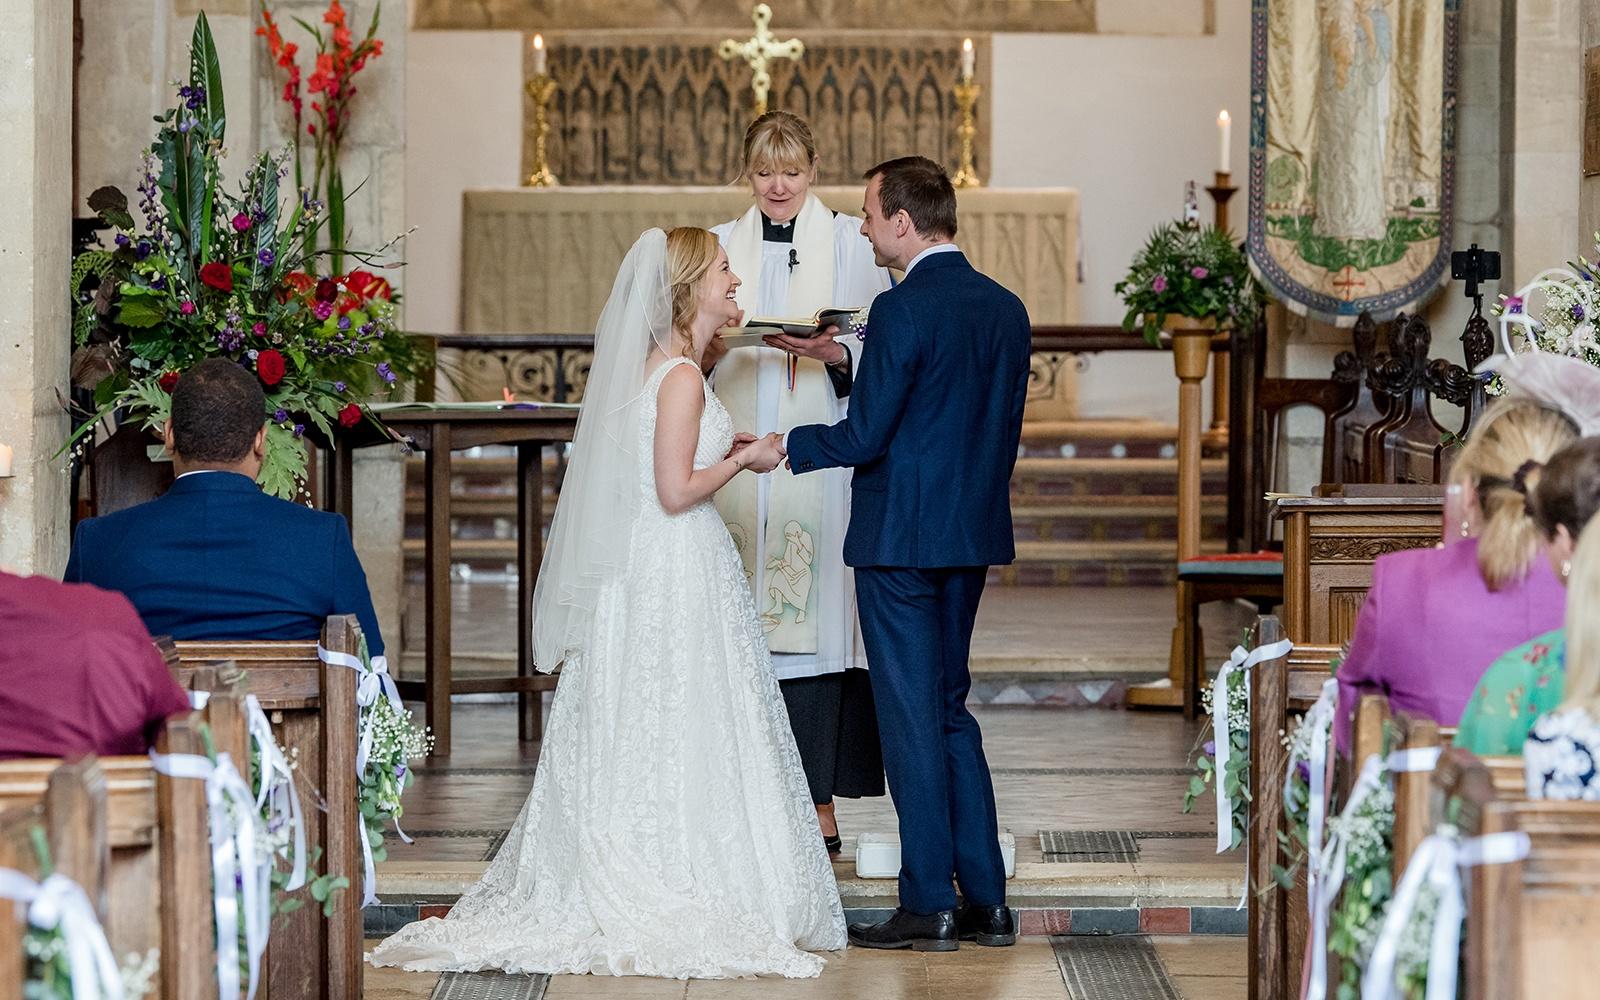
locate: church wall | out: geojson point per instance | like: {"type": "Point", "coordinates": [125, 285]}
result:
{"type": "Point", "coordinates": [1589, 187]}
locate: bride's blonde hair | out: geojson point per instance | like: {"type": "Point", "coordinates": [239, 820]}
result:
{"type": "Point", "coordinates": [690, 253]}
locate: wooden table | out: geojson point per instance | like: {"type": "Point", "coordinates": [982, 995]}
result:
{"type": "Point", "coordinates": [1329, 546]}
{"type": "Point", "coordinates": [437, 433]}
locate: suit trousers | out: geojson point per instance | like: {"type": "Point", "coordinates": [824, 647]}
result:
{"type": "Point", "coordinates": [917, 626]}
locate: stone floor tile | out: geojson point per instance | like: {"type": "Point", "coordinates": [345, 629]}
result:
{"type": "Point", "coordinates": [1212, 987]}
{"type": "Point", "coordinates": [1202, 955]}
{"type": "Point", "coordinates": [615, 988]}
{"type": "Point", "coordinates": [393, 984]}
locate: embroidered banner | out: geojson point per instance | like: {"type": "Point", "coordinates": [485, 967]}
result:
{"type": "Point", "coordinates": [1352, 150]}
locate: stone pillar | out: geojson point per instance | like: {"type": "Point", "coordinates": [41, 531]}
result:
{"type": "Point", "coordinates": [1589, 193]}
{"type": "Point", "coordinates": [1541, 134]}
{"type": "Point", "coordinates": [35, 249]}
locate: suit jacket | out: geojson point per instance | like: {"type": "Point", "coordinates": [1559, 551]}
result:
{"type": "Point", "coordinates": [935, 417]}
{"type": "Point", "coordinates": [1430, 625]}
{"type": "Point", "coordinates": [215, 558]}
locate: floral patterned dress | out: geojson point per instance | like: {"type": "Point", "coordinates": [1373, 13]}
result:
{"type": "Point", "coordinates": [1523, 684]}
{"type": "Point", "coordinates": [1560, 756]}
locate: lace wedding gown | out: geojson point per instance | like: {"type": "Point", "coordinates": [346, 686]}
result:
{"type": "Point", "coordinates": [669, 832]}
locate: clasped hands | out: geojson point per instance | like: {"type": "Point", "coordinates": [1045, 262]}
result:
{"type": "Point", "coordinates": [761, 454]}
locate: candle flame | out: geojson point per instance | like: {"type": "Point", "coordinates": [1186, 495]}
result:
{"type": "Point", "coordinates": [1222, 119]}
{"type": "Point", "coordinates": [538, 42]}
{"type": "Point", "coordinates": [966, 45]}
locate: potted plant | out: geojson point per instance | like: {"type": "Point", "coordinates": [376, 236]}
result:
{"type": "Point", "coordinates": [1189, 279]}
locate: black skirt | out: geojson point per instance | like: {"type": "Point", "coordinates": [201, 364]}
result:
{"type": "Point", "coordinates": [835, 726]}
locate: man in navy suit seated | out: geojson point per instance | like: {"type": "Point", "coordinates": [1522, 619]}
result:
{"type": "Point", "coordinates": [215, 558]}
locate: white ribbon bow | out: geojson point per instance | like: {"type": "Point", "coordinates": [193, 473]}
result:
{"type": "Point", "coordinates": [1239, 660]}
{"type": "Point", "coordinates": [371, 684]}
{"type": "Point", "coordinates": [1320, 719]}
{"type": "Point", "coordinates": [277, 786]}
{"type": "Point", "coordinates": [234, 856]}
{"type": "Point", "coordinates": [1438, 861]}
{"type": "Point", "coordinates": [58, 903]}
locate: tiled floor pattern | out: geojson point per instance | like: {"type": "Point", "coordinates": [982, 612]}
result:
{"type": "Point", "coordinates": [1180, 968]}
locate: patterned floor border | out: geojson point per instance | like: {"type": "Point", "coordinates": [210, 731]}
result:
{"type": "Point", "coordinates": [489, 986]}
{"type": "Point", "coordinates": [1095, 968]}
{"type": "Point", "coordinates": [385, 918]}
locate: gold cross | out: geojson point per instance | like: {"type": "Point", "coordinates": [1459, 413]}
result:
{"type": "Point", "coordinates": [755, 51]}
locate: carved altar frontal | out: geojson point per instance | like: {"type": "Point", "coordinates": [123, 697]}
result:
{"type": "Point", "coordinates": [668, 110]}
{"type": "Point", "coordinates": [966, 16]}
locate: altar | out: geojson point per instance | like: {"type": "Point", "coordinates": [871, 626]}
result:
{"type": "Point", "coordinates": [542, 260]}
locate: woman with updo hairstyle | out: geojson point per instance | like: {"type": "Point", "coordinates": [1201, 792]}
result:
{"type": "Point", "coordinates": [1435, 617]}
{"type": "Point", "coordinates": [1557, 668]}
{"type": "Point", "coordinates": [797, 256]}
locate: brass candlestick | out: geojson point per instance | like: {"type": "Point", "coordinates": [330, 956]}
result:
{"type": "Point", "coordinates": [540, 89]}
{"type": "Point", "coordinates": [967, 100]}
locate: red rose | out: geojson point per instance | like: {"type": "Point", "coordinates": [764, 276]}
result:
{"type": "Point", "coordinates": [167, 381]}
{"type": "Point", "coordinates": [326, 290]}
{"type": "Point", "coordinates": [269, 367]}
{"type": "Point", "coordinates": [350, 415]}
{"type": "Point", "coordinates": [218, 275]}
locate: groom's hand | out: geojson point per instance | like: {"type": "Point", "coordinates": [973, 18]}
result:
{"type": "Point", "coordinates": [822, 347]}
{"type": "Point", "coordinates": [741, 441]}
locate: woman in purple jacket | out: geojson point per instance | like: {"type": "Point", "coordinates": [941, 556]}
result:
{"type": "Point", "coordinates": [1435, 618]}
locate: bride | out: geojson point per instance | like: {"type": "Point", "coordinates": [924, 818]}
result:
{"type": "Point", "coordinates": [669, 832]}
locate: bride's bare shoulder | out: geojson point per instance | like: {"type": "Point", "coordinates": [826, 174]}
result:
{"type": "Point", "coordinates": [682, 388]}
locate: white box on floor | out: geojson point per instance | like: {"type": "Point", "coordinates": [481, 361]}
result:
{"type": "Point", "coordinates": [878, 854]}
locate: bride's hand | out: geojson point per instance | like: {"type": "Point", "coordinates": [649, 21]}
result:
{"type": "Point", "coordinates": [741, 441]}
{"type": "Point", "coordinates": [763, 455]}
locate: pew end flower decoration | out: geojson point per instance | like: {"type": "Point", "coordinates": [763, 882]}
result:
{"type": "Point", "coordinates": [396, 741]}
{"type": "Point", "coordinates": [1232, 782]}
{"type": "Point", "coordinates": [1555, 313]}
{"type": "Point", "coordinates": [1198, 273]}
{"type": "Point", "coordinates": [212, 273]}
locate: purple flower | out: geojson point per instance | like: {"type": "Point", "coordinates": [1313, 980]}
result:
{"type": "Point", "coordinates": [280, 415]}
{"type": "Point", "coordinates": [299, 429]}
{"type": "Point", "coordinates": [1159, 285]}
{"type": "Point", "coordinates": [122, 240]}
{"type": "Point", "coordinates": [338, 387]}
{"type": "Point", "coordinates": [1227, 279]}
{"type": "Point", "coordinates": [322, 310]}
{"type": "Point", "coordinates": [1513, 303]}
{"type": "Point", "coordinates": [1577, 312]}
{"type": "Point", "coordinates": [142, 250]}
{"type": "Point", "coordinates": [1198, 273]}
{"type": "Point", "coordinates": [159, 282]}
{"type": "Point", "coordinates": [1210, 748]}
{"type": "Point", "coordinates": [1303, 769]}
{"type": "Point", "coordinates": [187, 124]}
{"type": "Point", "coordinates": [266, 258]}
{"type": "Point", "coordinates": [344, 322]}
{"type": "Point", "coordinates": [385, 373]}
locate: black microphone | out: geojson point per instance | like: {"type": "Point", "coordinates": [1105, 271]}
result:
{"type": "Point", "coordinates": [794, 258]}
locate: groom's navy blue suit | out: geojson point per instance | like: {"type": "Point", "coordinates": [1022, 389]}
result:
{"type": "Point", "coordinates": [935, 417]}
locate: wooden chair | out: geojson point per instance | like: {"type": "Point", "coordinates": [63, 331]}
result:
{"type": "Point", "coordinates": [312, 708]}
{"type": "Point", "coordinates": [71, 811]}
{"type": "Point", "coordinates": [1531, 924]}
{"type": "Point", "coordinates": [1280, 690]}
{"type": "Point", "coordinates": [158, 881]}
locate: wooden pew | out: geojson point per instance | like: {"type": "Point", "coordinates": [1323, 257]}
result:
{"type": "Point", "coordinates": [156, 889]}
{"type": "Point", "coordinates": [1531, 924]}
{"type": "Point", "coordinates": [72, 813]}
{"type": "Point", "coordinates": [312, 708]}
{"type": "Point", "coordinates": [1280, 690]}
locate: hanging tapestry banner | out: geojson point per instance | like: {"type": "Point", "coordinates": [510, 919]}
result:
{"type": "Point", "coordinates": [1352, 151]}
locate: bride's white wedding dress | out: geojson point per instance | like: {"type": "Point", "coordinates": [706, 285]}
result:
{"type": "Point", "coordinates": [669, 832]}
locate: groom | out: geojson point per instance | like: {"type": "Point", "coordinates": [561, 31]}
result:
{"type": "Point", "coordinates": [935, 416]}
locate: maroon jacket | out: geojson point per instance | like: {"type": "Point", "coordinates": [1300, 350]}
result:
{"type": "Point", "coordinates": [78, 672]}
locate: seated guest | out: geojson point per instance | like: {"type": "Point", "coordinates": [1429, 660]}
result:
{"type": "Point", "coordinates": [1527, 681]}
{"type": "Point", "coordinates": [1559, 756]}
{"type": "Point", "coordinates": [78, 672]}
{"type": "Point", "coordinates": [215, 558]}
{"type": "Point", "coordinates": [1434, 617]}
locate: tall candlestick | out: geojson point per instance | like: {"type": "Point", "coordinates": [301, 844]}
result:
{"type": "Point", "coordinates": [1225, 131]}
{"type": "Point", "coordinates": [5, 461]}
{"type": "Point", "coordinates": [968, 59]}
{"type": "Point", "coordinates": [539, 55]}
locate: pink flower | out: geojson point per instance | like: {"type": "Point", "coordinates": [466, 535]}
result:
{"type": "Point", "coordinates": [1159, 284]}
{"type": "Point", "coordinates": [241, 222]}
{"type": "Point", "coordinates": [1198, 273]}
{"type": "Point", "coordinates": [187, 308]}
{"type": "Point", "coordinates": [1513, 303]}
{"type": "Point", "coordinates": [322, 310]}
{"type": "Point", "coordinates": [260, 329]}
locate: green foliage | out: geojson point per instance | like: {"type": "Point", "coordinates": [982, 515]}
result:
{"type": "Point", "coordinates": [1197, 273]}
{"type": "Point", "coordinates": [1336, 253]}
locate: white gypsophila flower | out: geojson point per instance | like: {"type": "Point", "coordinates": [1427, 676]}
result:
{"type": "Point", "coordinates": [138, 973]}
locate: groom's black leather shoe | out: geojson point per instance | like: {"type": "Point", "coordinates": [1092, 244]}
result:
{"type": "Point", "coordinates": [989, 926]}
{"type": "Point", "coordinates": [917, 931]}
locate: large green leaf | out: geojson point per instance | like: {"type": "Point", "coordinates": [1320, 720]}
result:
{"type": "Point", "coordinates": [266, 195]}
{"type": "Point", "coordinates": [140, 309]}
{"type": "Point", "coordinates": [112, 205]}
{"type": "Point", "coordinates": [336, 220]}
{"type": "Point", "coordinates": [205, 70]}
{"type": "Point", "coordinates": [177, 181]}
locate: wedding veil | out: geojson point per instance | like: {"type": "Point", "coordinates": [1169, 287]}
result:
{"type": "Point", "coordinates": [601, 494]}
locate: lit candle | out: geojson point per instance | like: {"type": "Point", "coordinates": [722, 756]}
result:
{"type": "Point", "coordinates": [968, 57]}
{"type": "Point", "coordinates": [539, 55]}
{"type": "Point", "coordinates": [5, 460]}
{"type": "Point", "coordinates": [1225, 130]}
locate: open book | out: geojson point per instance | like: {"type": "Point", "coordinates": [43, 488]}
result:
{"type": "Point", "coordinates": [751, 334]}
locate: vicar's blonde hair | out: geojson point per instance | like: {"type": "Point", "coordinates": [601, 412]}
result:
{"type": "Point", "coordinates": [690, 253]}
{"type": "Point", "coordinates": [1514, 436]}
{"type": "Point", "coordinates": [778, 140]}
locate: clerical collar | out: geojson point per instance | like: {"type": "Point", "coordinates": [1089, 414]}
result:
{"type": "Point", "coordinates": [776, 232]}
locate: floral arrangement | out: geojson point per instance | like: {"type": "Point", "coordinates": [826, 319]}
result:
{"type": "Point", "coordinates": [396, 741]}
{"type": "Point", "coordinates": [217, 274]}
{"type": "Point", "coordinates": [1198, 273]}
{"type": "Point", "coordinates": [1234, 782]}
{"type": "Point", "coordinates": [331, 84]}
{"type": "Point", "coordinates": [1294, 841]}
{"type": "Point", "coordinates": [273, 840]}
{"type": "Point", "coordinates": [1357, 916]}
{"type": "Point", "coordinates": [1556, 312]}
